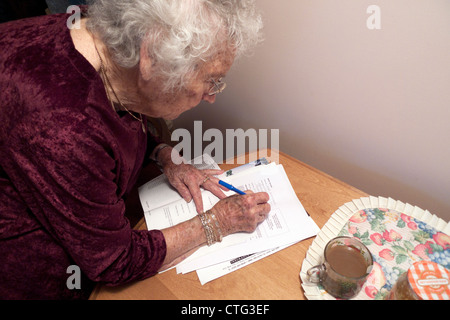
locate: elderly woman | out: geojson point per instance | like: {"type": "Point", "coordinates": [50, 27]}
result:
{"type": "Point", "coordinates": [73, 138]}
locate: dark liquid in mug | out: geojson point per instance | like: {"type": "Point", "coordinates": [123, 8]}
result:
{"type": "Point", "coordinates": [347, 261]}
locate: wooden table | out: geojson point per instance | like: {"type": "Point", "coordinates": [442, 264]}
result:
{"type": "Point", "coordinates": [274, 277]}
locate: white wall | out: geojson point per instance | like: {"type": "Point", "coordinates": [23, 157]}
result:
{"type": "Point", "coordinates": [370, 107]}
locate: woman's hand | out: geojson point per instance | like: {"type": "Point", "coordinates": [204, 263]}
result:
{"type": "Point", "coordinates": [187, 179]}
{"type": "Point", "coordinates": [241, 213]}
{"type": "Point", "coordinates": [238, 213]}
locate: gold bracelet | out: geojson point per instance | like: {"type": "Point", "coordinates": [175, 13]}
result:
{"type": "Point", "coordinates": [211, 227]}
{"type": "Point", "coordinates": [209, 233]}
{"type": "Point", "coordinates": [218, 229]}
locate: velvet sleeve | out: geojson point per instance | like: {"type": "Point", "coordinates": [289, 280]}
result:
{"type": "Point", "coordinates": [72, 175]}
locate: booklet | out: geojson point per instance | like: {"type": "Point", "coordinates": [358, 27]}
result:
{"type": "Point", "coordinates": [286, 224]}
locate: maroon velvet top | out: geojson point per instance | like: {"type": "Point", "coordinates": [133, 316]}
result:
{"type": "Point", "coordinates": [67, 161]}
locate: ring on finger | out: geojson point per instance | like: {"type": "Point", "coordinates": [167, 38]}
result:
{"type": "Point", "coordinates": [206, 179]}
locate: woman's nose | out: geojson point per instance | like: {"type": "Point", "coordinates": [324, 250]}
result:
{"type": "Point", "coordinates": [208, 98]}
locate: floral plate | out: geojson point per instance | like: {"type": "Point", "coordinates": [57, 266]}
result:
{"type": "Point", "coordinates": [397, 235]}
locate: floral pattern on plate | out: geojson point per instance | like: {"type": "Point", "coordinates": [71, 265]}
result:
{"type": "Point", "coordinates": [396, 241]}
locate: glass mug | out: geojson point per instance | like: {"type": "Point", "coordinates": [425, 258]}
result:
{"type": "Point", "coordinates": [346, 265]}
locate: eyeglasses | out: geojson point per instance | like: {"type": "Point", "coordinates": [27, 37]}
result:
{"type": "Point", "coordinates": [217, 87]}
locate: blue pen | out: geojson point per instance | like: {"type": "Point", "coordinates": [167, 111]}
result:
{"type": "Point", "coordinates": [229, 186]}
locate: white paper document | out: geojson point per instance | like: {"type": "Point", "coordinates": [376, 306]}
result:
{"type": "Point", "coordinates": [286, 224]}
{"type": "Point", "coordinates": [220, 269]}
{"type": "Point", "coordinates": [158, 192]}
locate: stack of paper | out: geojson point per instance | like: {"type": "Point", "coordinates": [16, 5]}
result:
{"type": "Point", "coordinates": [286, 224]}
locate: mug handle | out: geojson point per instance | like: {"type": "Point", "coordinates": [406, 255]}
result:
{"type": "Point", "coordinates": [315, 274]}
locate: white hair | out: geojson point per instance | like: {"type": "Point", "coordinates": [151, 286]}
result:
{"type": "Point", "coordinates": [183, 34]}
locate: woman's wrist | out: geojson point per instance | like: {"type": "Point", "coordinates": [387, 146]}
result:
{"type": "Point", "coordinates": [165, 155]}
{"type": "Point", "coordinates": [155, 156]}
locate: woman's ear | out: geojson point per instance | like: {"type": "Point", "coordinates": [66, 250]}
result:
{"type": "Point", "coordinates": [145, 62]}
